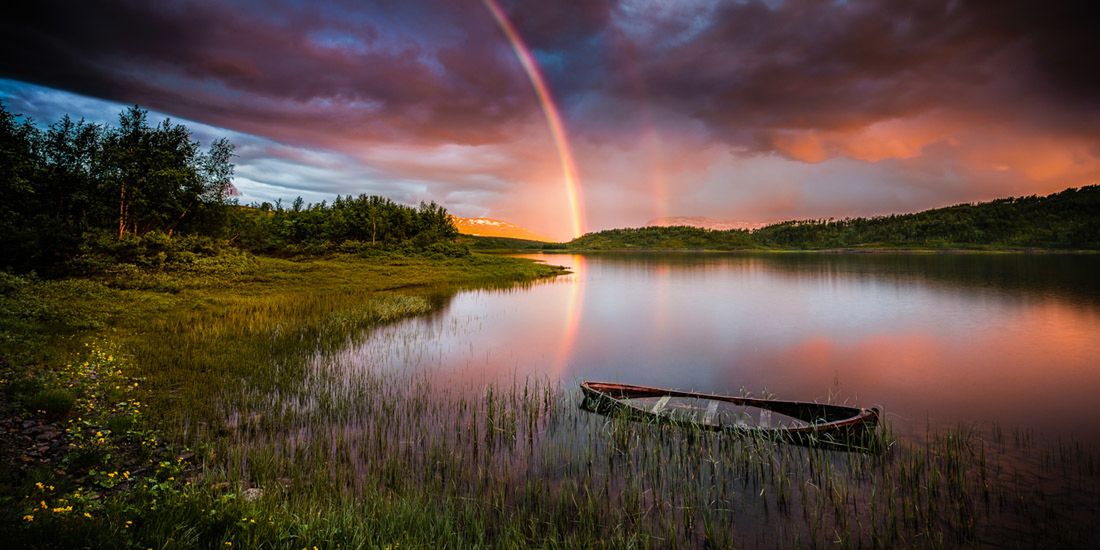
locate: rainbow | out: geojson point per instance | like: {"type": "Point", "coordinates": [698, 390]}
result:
{"type": "Point", "coordinates": [550, 110]}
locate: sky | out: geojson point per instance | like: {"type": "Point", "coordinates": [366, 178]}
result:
{"type": "Point", "coordinates": [734, 110]}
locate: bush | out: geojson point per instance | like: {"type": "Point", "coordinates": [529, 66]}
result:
{"type": "Point", "coordinates": [55, 402]}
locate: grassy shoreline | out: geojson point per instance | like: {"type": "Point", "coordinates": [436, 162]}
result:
{"type": "Point", "coordinates": [111, 384]}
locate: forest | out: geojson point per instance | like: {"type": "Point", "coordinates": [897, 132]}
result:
{"type": "Point", "coordinates": [80, 195]}
{"type": "Point", "coordinates": [1069, 219]}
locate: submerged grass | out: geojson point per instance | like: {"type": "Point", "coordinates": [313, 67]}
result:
{"type": "Point", "coordinates": [296, 444]}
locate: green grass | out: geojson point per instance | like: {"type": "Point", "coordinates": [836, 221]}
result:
{"type": "Point", "coordinates": [297, 445]}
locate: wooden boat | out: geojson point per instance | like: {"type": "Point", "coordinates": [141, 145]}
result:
{"type": "Point", "coordinates": [796, 421]}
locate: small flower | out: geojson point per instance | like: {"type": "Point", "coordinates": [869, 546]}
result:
{"type": "Point", "coordinates": [87, 515]}
{"type": "Point", "coordinates": [40, 486]}
{"type": "Point", "coordinates": [28, 517]}
{"type": "Point", "coordinates": [43, 505]}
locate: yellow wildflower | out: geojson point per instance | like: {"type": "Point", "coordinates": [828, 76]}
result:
{"type": "Point", "coordinates": [28, 517]}
{"type": "Point", "coordinates": [87, 515]}
{"type": "Point", "coordinates": [39, 485]}
{"type": "Point", "coordinates": [43, 505]}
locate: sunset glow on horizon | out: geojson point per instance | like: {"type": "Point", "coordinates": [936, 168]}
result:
{"type": "Point", "coordinates": [570, 118]}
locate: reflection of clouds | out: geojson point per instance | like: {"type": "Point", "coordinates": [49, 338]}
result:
{"type": "Point", "coordinates": [1031, 366]}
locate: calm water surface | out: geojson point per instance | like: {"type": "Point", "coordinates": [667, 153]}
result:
{"type": "Point", "coordinates": [933, 339]}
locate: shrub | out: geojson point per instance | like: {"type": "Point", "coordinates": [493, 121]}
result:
{"type": "Point", "coordinates": [55, 402]}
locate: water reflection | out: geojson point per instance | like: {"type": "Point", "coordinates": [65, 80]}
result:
{"type": "Point", "coordinates": [931, 338]}
{"type": "Point", "coordinates": [572, 316]}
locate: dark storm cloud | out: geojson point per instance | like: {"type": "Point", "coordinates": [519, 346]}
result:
{"type": "Point", "coordinates": [750, 70]}
{"type": "Point", "coordinates": [291, 72]}
{"type": "Point", "coordinates": [441, 72]}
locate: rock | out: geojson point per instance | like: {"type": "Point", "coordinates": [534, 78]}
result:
{"type": "Point", "coordinates": [252, 493]}
{"type": "Point", "coordinates": [28, 423]}
{"type": "Point", "coordinates": [48, 434]}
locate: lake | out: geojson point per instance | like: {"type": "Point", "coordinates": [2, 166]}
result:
{"type": "Point", "coordinates": [933, 339]}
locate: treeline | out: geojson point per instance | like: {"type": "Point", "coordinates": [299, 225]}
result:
{"type": "Point", "coordinates": [1069, 219]}
{"type": "Point", "coordinates": [1066, 220]}
{"type": "Point", "coordinates": [73, 178]}
{"type": "Point", "coordinates": [78, 195]}
{"type": "Point", "coordinates": [677, 237]}
{"type": "Point", "coordinates": [348, 223]}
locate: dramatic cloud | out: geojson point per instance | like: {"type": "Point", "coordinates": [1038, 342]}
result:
{"type": "Point", "coordinates": [755, 110]}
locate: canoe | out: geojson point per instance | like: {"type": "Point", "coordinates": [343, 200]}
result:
{"type": "Point", "coordinates": [797, 421]}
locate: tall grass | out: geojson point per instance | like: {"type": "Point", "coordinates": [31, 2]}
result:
{"type": "Point", "coordinates": [400, 457]}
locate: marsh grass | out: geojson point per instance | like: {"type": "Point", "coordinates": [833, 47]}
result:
{"type": "Point", "coordinates": [522, 464]}
{"type": "Point", "coordinates": [298, 444]}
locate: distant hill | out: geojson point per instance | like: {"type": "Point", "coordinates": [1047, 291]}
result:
{"type": "Point", "coordinates": [488, 227]}
{"type": "Point", "coordinates": [703, 223]}
{"type": "Point", "coordinates": [505, 243]}
{"type": "Point", "coordinates": [1066, 220]}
